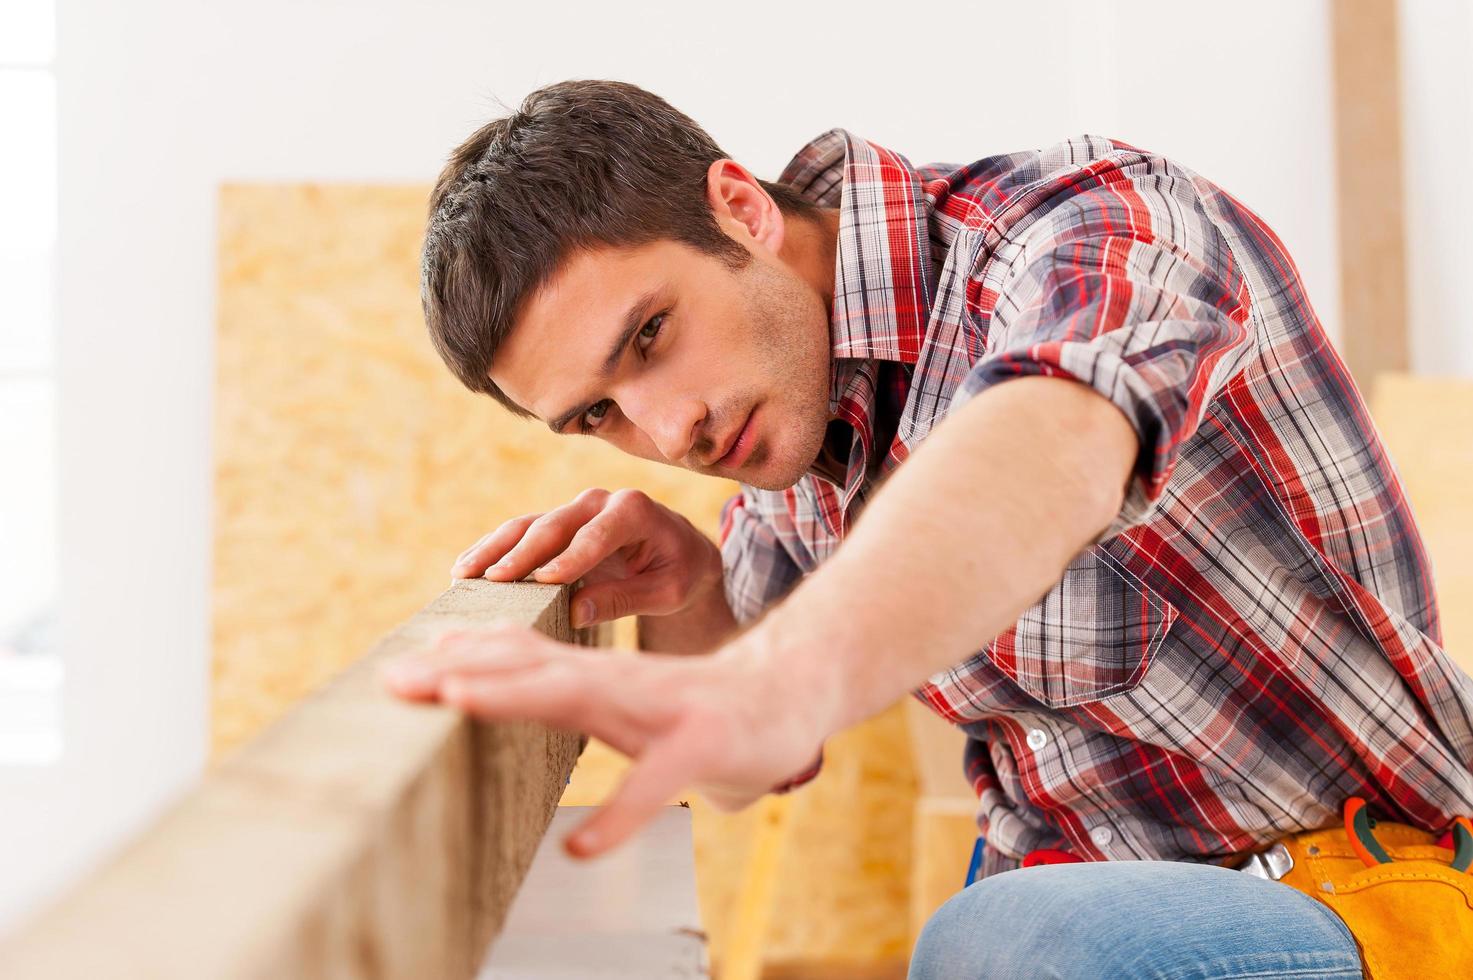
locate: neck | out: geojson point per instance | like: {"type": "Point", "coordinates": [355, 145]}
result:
{"type": "Point", "coordinates": [810, 249]}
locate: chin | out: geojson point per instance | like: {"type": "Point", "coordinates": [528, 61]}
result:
{"type": "Point", "coordinates": [781, 470]}
{"type": "Point", "coordinates": [764, 479]}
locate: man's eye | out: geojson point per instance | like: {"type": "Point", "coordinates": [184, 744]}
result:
{"type": "Point", "coordinates": [589, 420]}
{"type": "Point", "coordinates": [650, 330]}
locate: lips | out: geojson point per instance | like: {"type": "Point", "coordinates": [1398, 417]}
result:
{"type": "Point", "coordinates": [741, 446]}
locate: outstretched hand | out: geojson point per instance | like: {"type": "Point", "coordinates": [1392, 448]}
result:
{"type": "Point", "coordinates": [728, 725]}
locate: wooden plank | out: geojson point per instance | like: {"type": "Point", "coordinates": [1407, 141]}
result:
{"type": "Point", "coordinates": [360, 836]}
{"type": "Point", "coordinates": [1370, 197]}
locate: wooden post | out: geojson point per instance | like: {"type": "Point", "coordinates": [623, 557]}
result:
{"type": "Point", "coordinates": [358, 837]}
{"type": "Point", "coordinates": [1370, 201]}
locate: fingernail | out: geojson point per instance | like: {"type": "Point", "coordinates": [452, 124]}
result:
{"type": "Point", "coordinates": [583, 613]}
{"type": "Point", "coordinates": [582, 842]}
{"type": "Point", "coordinates": [549, 569]}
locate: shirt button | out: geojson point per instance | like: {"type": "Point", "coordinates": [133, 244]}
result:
{"type": "Point", "coordinates": [1037, 739]}
{"type": "Point", "coordinates": [1102, 836]}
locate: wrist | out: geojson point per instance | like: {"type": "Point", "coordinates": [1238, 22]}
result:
{"type": "Point", "coordinates": [801, 778]}
{"type": "Point", "coordinates": [709, 579]}
{"type": "Point", "coordinates": [807, 681]}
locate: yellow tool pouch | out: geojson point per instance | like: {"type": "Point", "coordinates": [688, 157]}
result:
{"type": "Point", "coordinates": [1405, 899]}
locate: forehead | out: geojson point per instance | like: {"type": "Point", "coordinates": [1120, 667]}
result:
{"type": "Point", "coordinates": [564, 329]}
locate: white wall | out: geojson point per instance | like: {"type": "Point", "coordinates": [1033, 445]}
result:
{"type": "Point", "coordinates": [1437, 100]}
{"type": "Point", "coordinates": [160, 100]}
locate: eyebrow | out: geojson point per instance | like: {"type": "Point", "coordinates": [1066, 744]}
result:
{"type": "Point", "coordinates": [634, 320]}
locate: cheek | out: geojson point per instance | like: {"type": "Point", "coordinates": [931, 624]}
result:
{"type": "Point", "coordinates": [631, 440]}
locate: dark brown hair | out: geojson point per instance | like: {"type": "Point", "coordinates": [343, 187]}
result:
{"type": "Point", "coordinates": [581, 164]}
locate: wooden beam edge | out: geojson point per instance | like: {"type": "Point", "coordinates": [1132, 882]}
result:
{"type": "Point", "coordinates": [246, 873]}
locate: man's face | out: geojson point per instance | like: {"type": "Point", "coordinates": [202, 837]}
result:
{"type": "Point", "coordinates": [669, 354]}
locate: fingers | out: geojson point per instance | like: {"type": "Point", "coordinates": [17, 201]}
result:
{"type": "Point", "coordinates": [646, 595]}
{"type": "Point", "coordinates": [517, 673]}
{"type": "Point", "coordinates": [474, 561]}
{"type": "Point", "coordinates": [595, 541]}
{"type": "Point", "coordinates": [499, 648]}
{"type": "Point", "coordinates": [562, 693]}
{"type": "Point", "coordinates": [549, 691]}
{"type": "Point", "coordinates": [638, 705]}
{"type": "Point", "coordinates": [664, 770]}
{"type": "Point", "coordinates": [547, 536]}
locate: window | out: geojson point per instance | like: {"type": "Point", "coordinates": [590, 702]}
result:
{"type": "Point", "coordinates": [30, 669]}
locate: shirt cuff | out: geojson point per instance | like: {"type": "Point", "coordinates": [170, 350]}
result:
{"type": "Point", "coordinates": [805, 776]}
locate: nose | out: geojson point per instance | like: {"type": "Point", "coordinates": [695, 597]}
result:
{"type": "Point", "coordinates": [670, 422]}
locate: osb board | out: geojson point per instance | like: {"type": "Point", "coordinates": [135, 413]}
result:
{"type": "Point", "coordinates": [1427, 424]}
{"type": "Point", "coordinates": [351, 469]}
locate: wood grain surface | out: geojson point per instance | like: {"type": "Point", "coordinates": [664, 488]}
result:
{"type": "Point", "coordinates": [358, 837]}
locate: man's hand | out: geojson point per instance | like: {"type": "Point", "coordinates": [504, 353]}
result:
{"type": "Point", "coordinates": [635, 556]}
{"type": "Point", "coordinates": [730, 726]}
{"type": "Point", "coordinates": [922, 581]}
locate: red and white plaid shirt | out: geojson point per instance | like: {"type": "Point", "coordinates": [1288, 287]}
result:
{"type": "Point", "coordinates": [1255, 638]}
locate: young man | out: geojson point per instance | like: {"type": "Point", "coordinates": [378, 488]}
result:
{"type": "Point", "coordinates": [1097, 434]}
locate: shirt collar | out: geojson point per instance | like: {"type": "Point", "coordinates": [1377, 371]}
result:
{"type": "Point", "coordinates": [883, 279]}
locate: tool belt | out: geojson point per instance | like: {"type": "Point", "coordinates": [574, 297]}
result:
{"type": "Point", "coordinates": [1405, 894]}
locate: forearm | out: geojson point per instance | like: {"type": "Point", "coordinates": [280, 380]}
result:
{"type": "Point", "coordinates": [977, 525]}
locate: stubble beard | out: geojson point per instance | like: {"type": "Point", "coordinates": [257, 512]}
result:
{"type": "Point", "coordinates": [790, 334]}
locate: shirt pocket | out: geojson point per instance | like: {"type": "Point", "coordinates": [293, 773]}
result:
{"type": "Point", "coordinates": [1092, 636]}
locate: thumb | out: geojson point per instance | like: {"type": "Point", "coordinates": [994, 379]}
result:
{"type": "Point", "coordinates": [637, 595]}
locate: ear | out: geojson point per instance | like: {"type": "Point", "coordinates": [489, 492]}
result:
{"type": "Point", "coordinates": [742, 208]}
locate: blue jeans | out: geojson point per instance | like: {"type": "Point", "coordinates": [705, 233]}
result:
{"type": "Point", "coordinates": [1119, 919]}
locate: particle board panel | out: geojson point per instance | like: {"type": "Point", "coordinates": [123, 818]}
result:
{"type": "Point", "coordinates": [1427, 425]}
{"type": "Point", "coordinates": [350, 467]}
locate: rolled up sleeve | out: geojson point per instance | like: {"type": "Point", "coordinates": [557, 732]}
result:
{"type": "Point", "coordinates": [1157, 331]}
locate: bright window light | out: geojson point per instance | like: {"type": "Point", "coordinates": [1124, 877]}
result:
{"type": "Point", "coordinates": [27, 32]}
{"type": "Point", "coordinates": [30, 667]}
{"type": "Point", "coordinates": [30, 672]}
{"type": "Point", "coordinates": [28, 164]}
{"type": "Point", "coordinates": [25, 311]}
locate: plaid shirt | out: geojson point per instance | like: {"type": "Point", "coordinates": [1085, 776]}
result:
{"type": "Point", "coordinates": [1255, 637]}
